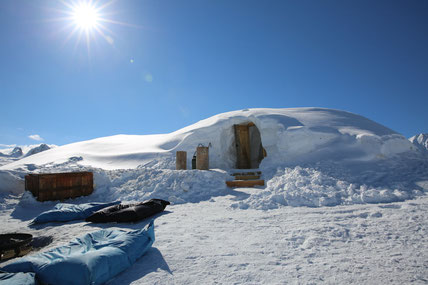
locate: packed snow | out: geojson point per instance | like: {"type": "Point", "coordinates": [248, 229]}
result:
{"type": "Point", "coordinates": [209, 242]}
{"type": "Point", "coordinates": [344, 202]}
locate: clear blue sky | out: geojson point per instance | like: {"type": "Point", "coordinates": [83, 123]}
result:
{"type": "Point", "coordinates": [177, 62]}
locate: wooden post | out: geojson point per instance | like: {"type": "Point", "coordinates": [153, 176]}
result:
{"type": "Point", "coordinates": [181, 160]}
{"type": "Point", "coordinates": [202, 158]}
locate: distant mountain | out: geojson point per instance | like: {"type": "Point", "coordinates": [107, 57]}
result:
{"type": "Point", "coordinates": [420, 140]}
{"type": "Point", "coordinates": [12, 153]}
{"type": "Point", "coordinates": [19, 152]}
{"type": "Point", "coordinates": [37, 149]}
{"type": "Point", "coordinates": [16, 152]}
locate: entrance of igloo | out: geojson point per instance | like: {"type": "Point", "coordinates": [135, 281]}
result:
{"type": "Point", "coordinates": [249, 148]}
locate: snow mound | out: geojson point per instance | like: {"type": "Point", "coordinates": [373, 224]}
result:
{"type": "Point", "coordinates": [176, 186]}
{"type": "Point", "coordinates": [133, 185]}
{"type": "Point", "coordinates": [10, 182]}
{"type": "Point", "coordinates": [332, 184]}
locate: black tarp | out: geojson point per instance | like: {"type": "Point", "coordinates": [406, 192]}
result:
{"type": "Point", "coordinates": [123, 213]}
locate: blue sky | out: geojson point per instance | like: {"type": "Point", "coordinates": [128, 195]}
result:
{"type": "Point", "coordinates": [172, 63]}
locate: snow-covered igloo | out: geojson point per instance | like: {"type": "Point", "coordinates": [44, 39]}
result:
{"type": "Point", "coordinates": [275, 136]}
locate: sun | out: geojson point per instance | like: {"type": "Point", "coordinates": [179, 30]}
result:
{"type": "Point", "coordinates": [87, 21]}
{"type": "Point", "coordinates": [85, 16]}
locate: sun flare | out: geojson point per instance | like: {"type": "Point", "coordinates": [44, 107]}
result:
{"type": "Point", "coordinates": [85, 16]}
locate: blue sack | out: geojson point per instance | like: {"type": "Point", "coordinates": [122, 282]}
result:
{"type": "Point", "coordinates": [92, 259]}
{"type": "Point", "coordinates": [63, 212]}
{"type": "Point", "coordinates": [17, 278]}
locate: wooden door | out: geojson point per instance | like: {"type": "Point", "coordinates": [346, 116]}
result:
{"type": "Point", "coordinates": [243, 150]}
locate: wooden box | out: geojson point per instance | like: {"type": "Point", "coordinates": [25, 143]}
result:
{"type": "Point", "coordinates": [59, 186]}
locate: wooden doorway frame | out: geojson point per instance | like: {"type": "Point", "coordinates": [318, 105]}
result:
{"type": "Point", "coordinates": [248, 156]}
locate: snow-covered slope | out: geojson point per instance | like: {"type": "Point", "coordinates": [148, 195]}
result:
{"type": "Point", "coordinates": [288, 135]}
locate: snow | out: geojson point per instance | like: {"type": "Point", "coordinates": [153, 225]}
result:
{"type": "Point", "coordinates": [11, 183]}
{"type": "Point", "coordinates": [344, 202]}
{"type": "Point", "coordinates": [332, 183]}
{"type": "Point", "coordinates": [210, 242]}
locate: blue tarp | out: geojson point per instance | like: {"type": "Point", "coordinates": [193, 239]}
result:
{"type": "Point", "coordinates": [17, 279]}
{"type": "Point", "coordinates": [92, 259]}
{"type": "Point", "coordinates": [63, 212]}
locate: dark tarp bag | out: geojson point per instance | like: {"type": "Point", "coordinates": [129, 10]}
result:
{"type": "Point", "coordinates": [125, 213]}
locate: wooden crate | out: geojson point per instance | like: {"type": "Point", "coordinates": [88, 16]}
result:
{"type": "Point", "coordinates": [59, 186]}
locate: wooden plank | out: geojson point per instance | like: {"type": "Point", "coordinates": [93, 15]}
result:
{"type": "Point", "coordinates": [32, 184]}
{"type": "Point", "coordinates": [181, 160]}
{"type": "Point", "coordinates": [202, 158]}
{"type": "Point", "coordinates": [245, 183]}
{"type": "Point", "coordinates": [247, 173]}
{"type": "Point", "coordinates": [247, 177]}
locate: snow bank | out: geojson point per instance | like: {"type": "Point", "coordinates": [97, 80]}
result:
{"type": "Point", "coordinates": [11, 183]}
{"type": "Point", "coordinates": [310, 187]}
{"type": "Point", "coordinates": [176, 186]}
{"type": "Point", "coordinates": [133, 185]}
{"type": "Point", "coordinates": [332, 183]}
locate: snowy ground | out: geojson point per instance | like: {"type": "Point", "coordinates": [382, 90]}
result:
{"type": "Point", "coordinates": [213, 243]}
